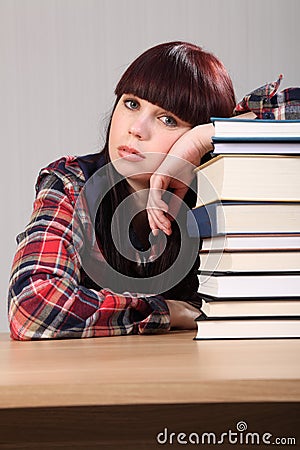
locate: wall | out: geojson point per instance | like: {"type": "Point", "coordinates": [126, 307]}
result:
{"type": "Point", "coordinates": [60, 61]}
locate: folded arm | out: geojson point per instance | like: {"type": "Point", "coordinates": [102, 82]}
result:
{"type": "Point", "coordinates": [46, 297]}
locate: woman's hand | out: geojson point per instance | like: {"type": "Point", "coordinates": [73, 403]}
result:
{"type": "Point", "coordinates": [176, 172]}
{"type": "Point", "coordinates": [182, 315]}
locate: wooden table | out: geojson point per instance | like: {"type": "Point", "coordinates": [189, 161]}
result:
{"type": "Point", "coordinates": [120, 392]}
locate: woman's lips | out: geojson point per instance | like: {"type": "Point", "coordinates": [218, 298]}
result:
{"type": "Point", "coordinates": [129, 153]}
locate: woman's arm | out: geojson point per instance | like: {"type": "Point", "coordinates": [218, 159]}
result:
{"type": "Point", "coordinates": [176, 172]}
{"type": "Point", "coordinates": [46, 298]}
{"type": "Point", "coordinates": [182, 315]}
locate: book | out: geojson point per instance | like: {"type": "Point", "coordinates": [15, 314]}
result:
{"type": "Point", "coordinates": [249, 195]}
{"type": "Point", "coordinates": [240, 285]}
{"type": "Point", "coordinates": [258, 128]}
{"type": "Point", "coordinates": [244, 242]}
{"type": "Point", "coordinates": [253, 261]}
{"type": "Point", "coordinates": [220, 218]}
{"type": "Point", "coordinates": [249, 178]}
{"type": "Point", "coordinates": [229, 146]}
{"type": "Point", "coordinates": [256, 307]}
{"type": "Point", "coordinates": [263, 327]}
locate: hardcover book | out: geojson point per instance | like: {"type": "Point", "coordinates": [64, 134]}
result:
{"type": "Point", "coordinates": [259, 147]}
{"type": "Point", "coordinates": [249, 285]}
{"type": "Point", "coordinates": [284, 327]}
{"type": "Point", "coordinates": [245, 308]}
{"type": "Point", "coordinates": [248, 242]}
{"type": "Point", "coordinates": [251, 261]}
{"type": "Point", "coordinates": [249, 178]}
{"type": "Point", "coordinates": [220, 218]}
{"type": "Point", "coordinates": [243, 128]}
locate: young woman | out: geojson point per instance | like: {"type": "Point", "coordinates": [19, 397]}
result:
{"type": "Point", "coordinates": [163, 101]}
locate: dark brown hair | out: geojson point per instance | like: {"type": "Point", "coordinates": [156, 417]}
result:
{"type": "Point", "coordinates": [192, 84]}
{"type": "Point", "coordinates": [183, 79]}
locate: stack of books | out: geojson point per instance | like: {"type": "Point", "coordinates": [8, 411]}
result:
{"type": "Point", "coordinates": [248, 218]}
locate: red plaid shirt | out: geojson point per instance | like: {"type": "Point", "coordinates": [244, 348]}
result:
{"type": "Point", "coordinates": [47, 296]}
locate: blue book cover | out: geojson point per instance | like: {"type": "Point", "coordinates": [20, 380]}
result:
{"type": "Point", "coordinates": [202, 222]}
{"type": "Point", "coordinates": [209, 221]}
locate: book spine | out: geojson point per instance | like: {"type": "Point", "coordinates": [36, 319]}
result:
{"type": "Point", "coordinates": [203, 317]}
{"type": "Point", "coordinates": [214, 119]}
{"type": "Point", "coordinates": [293, 140]}
{"type": "Point", "coordinates": [202, 222]}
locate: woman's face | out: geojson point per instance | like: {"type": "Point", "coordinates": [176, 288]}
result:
{"type": "Point", "coordinates": [140, 137]}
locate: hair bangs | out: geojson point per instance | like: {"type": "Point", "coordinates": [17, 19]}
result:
{"type": "Point", "coordinates": [165, 78]}
{"type": "Point", "coordinates": [182, 79]}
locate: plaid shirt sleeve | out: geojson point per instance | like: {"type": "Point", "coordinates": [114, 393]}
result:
{"type": "Point", "coordinates": [46, 299]}
{"type": "Point", "coordinates": [268, 103]}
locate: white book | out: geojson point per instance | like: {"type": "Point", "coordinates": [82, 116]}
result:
{"type": "Point", "coordinates": [246, 242]}
{"type": "Point", "coordinates": [248, 328]}
{"type": "Point", "coordinates": [246, 308]}
{"type": "Point", "coordinates": [242, 128]}
{"type": "Point", "coordinates": [249, 178]}
{"type": "Point", "coordinates": [249, 285]}
{"type": "Point", "coordinates": [263, 148]}
{"type": "Point", "coordinates": [257, 261]}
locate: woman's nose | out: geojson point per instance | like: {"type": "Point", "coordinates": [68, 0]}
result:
{"type": "Point", "coordinates": [135, 131]}
{"type": "Point", "coordinates": [140, 128]}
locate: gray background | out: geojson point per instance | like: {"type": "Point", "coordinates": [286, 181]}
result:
{"type": "Point", "coordinates": [60, 61]}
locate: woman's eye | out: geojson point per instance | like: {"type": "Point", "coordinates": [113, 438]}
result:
{"type": "Point", "coordinates": [169, 121]}
{"type": "Point", "coordinates": [131, 104]}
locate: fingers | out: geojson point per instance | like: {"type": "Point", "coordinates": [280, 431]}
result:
{"type": "Point", "coordinates": [158, 220]}
{"type": "Point", "coordinates": [161, 215]}
{"type": "Point", "coordinates": [157, 208]}
{"type": "Point", "coordinates": [158, 223]}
